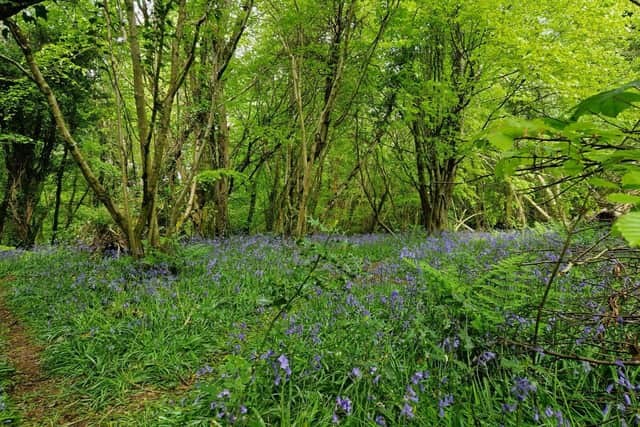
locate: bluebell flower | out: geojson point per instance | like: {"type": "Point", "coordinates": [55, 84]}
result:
{"type": "Point", "coordinates": [356, 373]}
{"type": "Point", "coordinates": [284, 364]}
{"type": "Point", "coordinates": [316, 362]}
{"type": "Point", "coordinates": [407, 411]}
{"type": "Point", "coordinates": [344, 404]}
{"type": "Point", "coordinates": [485, 357]}
{"type": "Point", "coordinates": [522, 388]}
{"type": "Point", "coordinates": [380, 421]}
{"type": "Point", "coordinates": [443, 403]}
{"type": "Point", "coordinates": [417, 377]}
{"type": "Point", "coordinates": [411, 394]}
{"type": "Point", "coordinates": [206, 369]}
{"type": "Point", "coordinates": [508, 408]}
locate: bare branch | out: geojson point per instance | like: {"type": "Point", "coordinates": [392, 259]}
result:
{"type": "Point", "coordinates": [19, 66]}
{"type": "Point", "coordinates": [12, 7]}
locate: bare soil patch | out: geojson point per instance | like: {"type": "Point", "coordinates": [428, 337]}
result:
{"type": "Point", "coordinates": [35, 394]}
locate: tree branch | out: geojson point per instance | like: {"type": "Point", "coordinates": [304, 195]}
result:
{"type": "Point", "coordinates": [19, 66]}
{"type": "Point", "coordinates": [99, 190]}
{"type": "Point", "coordinates": [12, 7]}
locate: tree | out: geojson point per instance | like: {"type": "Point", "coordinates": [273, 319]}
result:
{"type": "Point", "coordinates": [152, 129]}
{"type": "Point", "coordinates": [221, 40]}
{"type": "Point", "coordinates": [436, 71]}
{"type": "Point", "coordinates": [28, 131]}
{"type": "Point", "coordinates": [8, 8]}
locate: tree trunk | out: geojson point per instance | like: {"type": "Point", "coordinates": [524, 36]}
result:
{"type": "Point", "coordinates": [4, 206]}
{"type": "Point", "coordinates": [222, 161]}
{"type": "Point", "coordinates": [56, 211]}
{"type": "Point", "coordinates": [101, 193]}
{"type": "Point", "coordinates": [252, 207]}
{"type": "Point", "coordinates": [423, 189]}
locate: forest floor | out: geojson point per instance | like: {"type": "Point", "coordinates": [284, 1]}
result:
{"type": "Point", "coordinates": [40, 399]}
{"type": "Point", "coordinates": [364, 330]}
{"type": "Point", "coordinates": [36, 395]}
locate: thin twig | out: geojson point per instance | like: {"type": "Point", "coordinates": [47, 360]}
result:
{"type": "Point", "coordinates": [571, 356]}
{"type": "Point", "coordinates": [19, 66]}
{"type": "Point", "coordinates": [556, 269]}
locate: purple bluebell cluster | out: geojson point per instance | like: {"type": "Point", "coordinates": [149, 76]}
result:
{"type": "Point", "coordinates": [372, 336]}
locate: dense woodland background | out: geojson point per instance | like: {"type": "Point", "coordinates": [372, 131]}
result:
{"type": "Point", "coordinates": [449, 172]}
{"type": "Point", "coordinates": [144, 121]}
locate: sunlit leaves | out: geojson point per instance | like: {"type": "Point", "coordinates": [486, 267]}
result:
{"type": "Point", "coordinates": [623, 198]}
{"type": "Point", "coordinates": [597, 148]}
{"type": "Point", "coordinates": [609, 103]}
{"type": "Point", "coordinates": [631, 179]}
{"type": "Point", "coordinates": [602, 183]}
{"type": "Point", "coordinates": [629, 226]}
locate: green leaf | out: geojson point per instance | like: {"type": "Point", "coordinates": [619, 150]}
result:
{"type": "Point", "coordinates": [629, 227]}
{"type": "Point", "coordinates": [600, 156]}
{"type": "Point", "coordinates": [609, 103]}
{"type": "Point", "coordinates": [15, 138]}
{"type": "Point", "coordinates": [506, 167]}
{"type": "Point", "coordinates": [623, 198]}
{"type": "Point", "coordinates": [631, 179]}
{"type": "Point", "coordinates": [603, 183]}
{"type": "Point", "coordinates": [210, 176]}
{"type": "Point", "coordinates": [573, 167]}
{"type": "Point", "coordinates": [500, 141]}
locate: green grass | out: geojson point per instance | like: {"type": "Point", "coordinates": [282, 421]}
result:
{"type": "Point", "coordinates": [8, 414]}
{"type": "Point", "coordinates": [369, 329]}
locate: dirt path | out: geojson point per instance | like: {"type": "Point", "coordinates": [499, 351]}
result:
{"type": "Point", "coordinates": [40, 399]}
{"type": "Point", "coordinates": [36, 395]}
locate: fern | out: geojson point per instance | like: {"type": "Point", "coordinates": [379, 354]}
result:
{"type": "Point", "coordinates": [485, 301]}
{"type": "Point", "coordinates": [502, 290]}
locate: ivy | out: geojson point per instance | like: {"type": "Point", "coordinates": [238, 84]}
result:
{"type": "Point", "coordinates": [210, 176]}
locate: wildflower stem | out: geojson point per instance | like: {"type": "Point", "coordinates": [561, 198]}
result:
{"type": "Point", "coordinates": [556, 269]}
{"type": "Point", "coordinates": [570, 356]}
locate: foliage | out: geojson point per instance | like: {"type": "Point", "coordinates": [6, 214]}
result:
{"type": "Point", "coordinates": [8, 415]}
{"type": "Point", "coordinates": [406, 71]}
{"type": "Point", "coordinates": [405, 330]}
{"type": "Point", "coordinates": [210, 176]}
{"type": "Point", "coordinates": [191, 119]}
{"type": "Point", "coordinates": [594, 150]}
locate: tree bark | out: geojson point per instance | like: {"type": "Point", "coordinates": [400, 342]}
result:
{"type": "Point", "coordinates": [4, 207]}
{"type": "Point", "coordinates": [8, 8]}
{"type": "Point", "coordinates": [98, 189]}
{"type": "Point", "coordinates": [56, 210]}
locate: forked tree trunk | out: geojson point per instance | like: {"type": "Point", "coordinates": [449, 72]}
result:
{"type": "Point", "coordinates": [101, 193]}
